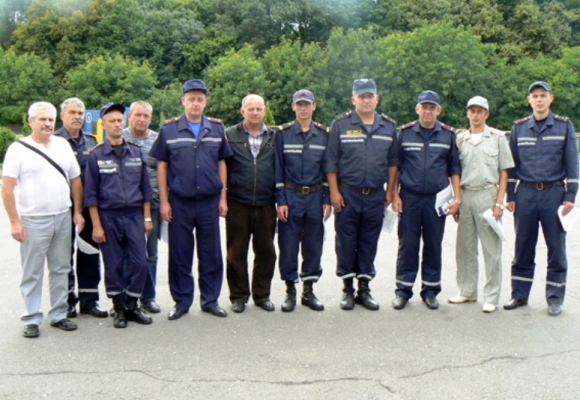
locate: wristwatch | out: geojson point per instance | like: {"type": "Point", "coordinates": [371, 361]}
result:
{"type": "Point", "coordinates": [148, 220]}
{"type": "Point", "coordinates": [457, 201]}
{"type": "Point", "coordinates": [501, 206]}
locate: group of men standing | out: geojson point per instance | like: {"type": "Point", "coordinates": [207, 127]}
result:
{"type": "Point", "coordinates": [194, 171]}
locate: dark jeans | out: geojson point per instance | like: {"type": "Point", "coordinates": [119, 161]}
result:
{"type": "Point", "coordinates": [242, 223]}
{"type": "Point", "coordinates": [149, 289]}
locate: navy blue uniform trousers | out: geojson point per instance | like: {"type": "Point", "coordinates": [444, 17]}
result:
{"type": "Point", "coordinates": [358, 227]}
{"type": "Point", "coordinates": [202, 215]}
{"type": "Point", "coordinates": [304, 227]}
{"type": "Point", "coordinates": [419, 219]}
{"type": "Point", "coordinates": [534, 207]}
{"type": "Point", "coordinates": [124, 253]}
{"type": "Point", "coordinates": [88, 269]}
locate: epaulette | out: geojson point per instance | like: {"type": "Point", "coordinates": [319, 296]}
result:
{"type": "Point", "coordinates": [133, 143]}
{"type": "Point", "coordinates": [521, 121]}
{"type": "Point", "coordinates": [561, 118]}
{"type": "Point", "coordinates": [97, 146]}
{"type": "Point", "coordinates": [171, 120]}
{"type": "Point", "coordinates": [286, 125]}
{"type": "Point", "coordinates": [407, 125]}
{"type": "Point", "coordinates": [343, 115]}
{"type": "Point", "coordinates": [497, 132]}
{"type": "Point", "coordinates": [323, 127]}
{"type": "Point", "coordinates": [216, 120]}
{"type": "Point", "coordinates": [385, 116]}
{"type": "Point", "coordinates": [461, 135]}
{"type": "Point", "coordinates": [448, 127]}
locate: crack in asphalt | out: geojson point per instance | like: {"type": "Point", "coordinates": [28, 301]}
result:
{"type": "Point", "coordinates": [148, 374]}
{"type": "Point", "coordinates": [483, 362]}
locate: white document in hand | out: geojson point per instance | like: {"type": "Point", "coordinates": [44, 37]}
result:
{"type": "Point", "coordinates": [496, 225]}
{"type": "Point", "coordinates": [444, 198]}
{"type": "Point", "coordinates": [568, 219]}
{"type": "Point", "coordinates": [391, 220]}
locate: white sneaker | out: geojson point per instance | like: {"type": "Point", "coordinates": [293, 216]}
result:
{"type": "Point", "coordinates": [488, 308]}
{"type": "Point", "coordinates": [461, 299]}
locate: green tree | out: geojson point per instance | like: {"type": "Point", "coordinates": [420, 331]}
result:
{"type": "Point", "coordinates": [6, 139]}
{"type": "Point", "coordinates": [166, 103]}
{"type": "Point", "coordinates": [11, 12]}
{"type": "Point", "coordinates": [110, 78]}
{"type": "Point", "coordinates": [451, 61]}
{"type": "Point", "coordinates": [230, 79]}
{"type": "Point", "coordinates": [25, 79]}
{"type": "Point", "coordinates": [289, 67]}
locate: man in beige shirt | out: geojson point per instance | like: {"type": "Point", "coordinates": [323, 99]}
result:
{"type": "Point", "coordinates": [485, 158]}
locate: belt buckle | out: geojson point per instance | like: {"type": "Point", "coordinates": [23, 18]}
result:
{"type": "Point", "coordinates": [366, 190]}
{"type": "Point", "coordinates": [540, 185]}
{"type": "Point", "coordinates": [305, 189]}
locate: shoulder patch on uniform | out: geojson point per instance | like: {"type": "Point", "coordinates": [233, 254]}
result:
{"type": "Point", "coordinates": [448, 127]}
{"type": "Point", "coordinates": [98, 145]}
{"type": "Point", "coordinates": [386, 117]}
{"type": "Point", "coordinates": [216, 120]}
{"type": "Point", "coordinates": [408, 125]}
{"type": "Point", "coordinates": [561, 118]}
{"type": "Point", "coordinates": [285, 126]}
{"type": "Point", "coordinates": [521, 121]}
{"type": "Point", "coordinates": [343, 115]}
{"type": "Point", "coordinates": [171, 120]}
{"type": "Point", "coordinates": [321, 126]}
{"type": "Point", "coordinates": [497, 132]}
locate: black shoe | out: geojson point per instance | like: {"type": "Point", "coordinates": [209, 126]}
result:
{"type": "Point", "coordinates": [431, 302]}
{"type": "Point", "coordinates": [138, 315]}
{"type": "Point", "coordinates": [96, 312]}
{"type": "Point", "coordinates": [175, 313]}
{"type": "Point", "coordinates": [71, 312]}
{"type": "Point", "coordinates": [290, 300]}
{"type": "Point", "coordinates": [150, 307]}
{"type": "Point", "coordinates": [364, 297]}
{"type": "Point", "coordinates": [309, 298]}
{"type": "Point", "coordinates": [31, 331]}
{"type": "Point", "coordinates": [400, 302]}
{"type": "Point", "coordinates": [266, 305]}
{"type": "Point", "coordinates": [554, 310]}
{"type": "Point", "coordinates": [238, 307]}
{"type": "Point", "coordinates": [513, 303]}
{"type": "Point", "coordinates": [120, 321]}
{"type": "Point", "coordinates": [216, 311]}
{"type": "Point", "coordinates": [347, 301]}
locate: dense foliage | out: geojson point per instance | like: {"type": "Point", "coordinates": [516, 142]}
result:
{"type": "Point", "coordinates": [124, 50]}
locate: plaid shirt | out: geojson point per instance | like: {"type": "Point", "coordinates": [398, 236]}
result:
{"type": "Point", "coordinates": [146, 144]}
{"type": "Point", "coordinates": [255, 142]}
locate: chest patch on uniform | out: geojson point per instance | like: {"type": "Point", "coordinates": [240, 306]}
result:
{"type": "Point", "coordinates": [354, 132]}
{"type": "Point", "coordinates": [293, 148]}
{"type": "Point", "coordinates": [107, 166]}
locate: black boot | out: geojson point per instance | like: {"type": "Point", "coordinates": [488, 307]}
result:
{"type": "Point", "coordinates": [120, 320]}
{"type": "Point", "coordinates": [134, 313]}
{"type": "Point", "coordinates": [309, 298]}
{"type": "Point", "coordinates": [347, 302]}
{"type": "Point", "coordinates": [290, 300]}
{"type": "Point", "coordinates": [364, 297]}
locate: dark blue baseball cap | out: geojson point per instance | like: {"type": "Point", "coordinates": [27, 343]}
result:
{"type": "Point", "coordinates": [362, 86]}
{"type": "Point", "coordinates": [194, 84]}
{"type": "Point", "coordinates": [111, 107]}
{"type": "Point", "coordinates": [429, 96]}
{"type": "Point", "coordinates": [539, 84]}
{"type": "Point", "coordinates": [303, 95]}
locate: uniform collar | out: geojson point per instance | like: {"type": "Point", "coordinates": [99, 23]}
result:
{"type": "Point", "coordinates": [183, 125]}
{"type": "Point", "coordinates": [417, 126]}
{"type": "Point", "coordinates": [532, 121]}
{"type": "Point", "coordinates": [298, 128]}
{"type": "Point", "coordinates": [355, 118]}
{"type": "Point", "coordinates": [108, 148]}
{"type": "Point", "coordinates": [66, 135]}
{"type": "Point", "coordinates": [486, 131]}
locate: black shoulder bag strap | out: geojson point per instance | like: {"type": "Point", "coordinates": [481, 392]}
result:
{"type": "Point", "coordinates": [47, 158]}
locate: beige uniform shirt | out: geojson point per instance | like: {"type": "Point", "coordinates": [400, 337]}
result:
{"type": "Point", "coordinates": [481, 162]}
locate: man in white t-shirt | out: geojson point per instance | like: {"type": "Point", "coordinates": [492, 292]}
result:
{"type": "Point", "coordinates": [37, 199]}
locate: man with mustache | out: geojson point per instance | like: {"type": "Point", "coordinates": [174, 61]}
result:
{"type": "Point", "coordinates": [72, 114]}
{"type": "Point", "coordinates": [42, 166]}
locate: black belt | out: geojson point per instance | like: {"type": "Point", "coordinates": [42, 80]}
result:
{"type": "Point", "coordinates": [303, 189]}
{"type": "Point", "coordinates": [543, 185]}
{"type": "Point", "coordinates": [359, 189]}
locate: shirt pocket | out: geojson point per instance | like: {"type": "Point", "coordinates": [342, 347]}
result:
{"type": "Point", "coordinates": [491, 156]}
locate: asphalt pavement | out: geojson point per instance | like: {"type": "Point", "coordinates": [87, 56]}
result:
{"type": "Point", "coordinates": [456, 352]}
